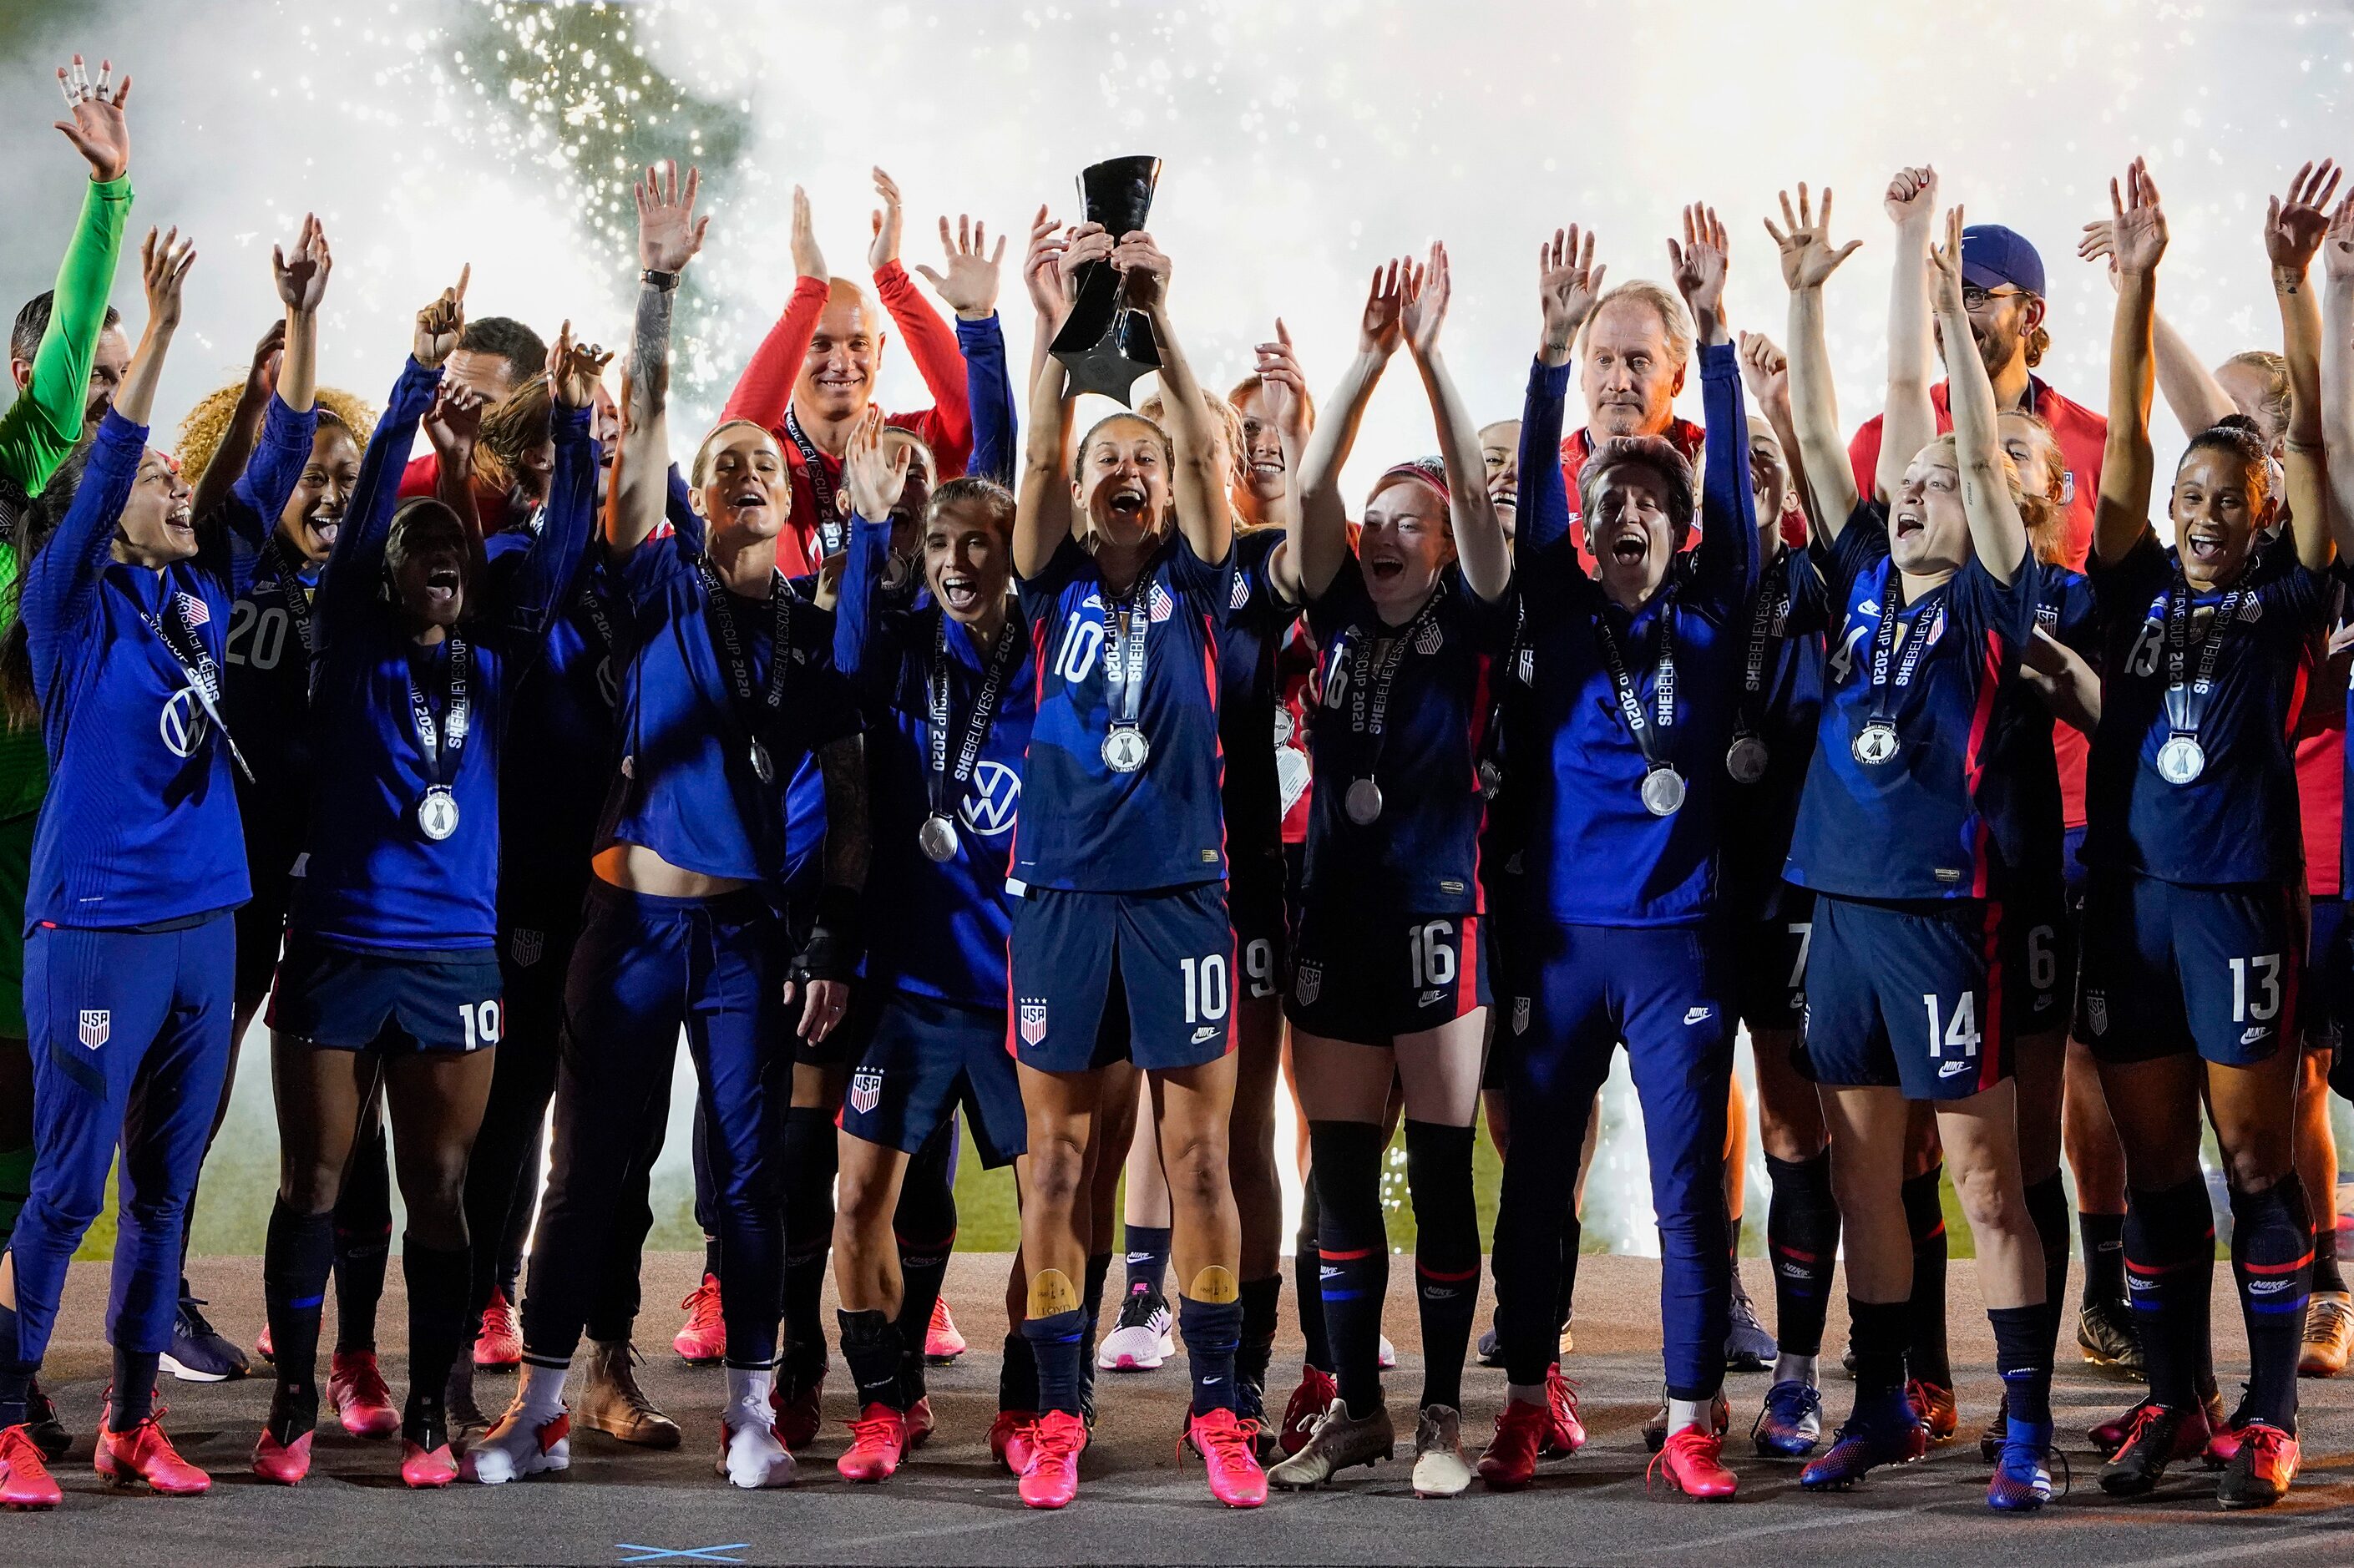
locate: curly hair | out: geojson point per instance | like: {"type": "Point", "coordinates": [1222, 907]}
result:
{"type": "Point", "coordinates": [206, 425]}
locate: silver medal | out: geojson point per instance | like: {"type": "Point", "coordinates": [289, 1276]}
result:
{"type": "Point", "coordinates": [1491, 779]}
{"type": "Point", "coordinates": [1663, 792]}
{"type": "Point", "coordinates": [2181, 759]}
{"type": "Point", "coordinates": [764, 767]}
{"type": "Point", "coordinates": [1745, 760]}
{"type": "Point", "coordinates": [437, 813]}
{"type": "Point", "coordinates": [938, 837]}
{"type": "Point", "coordinates": [1363, 802]}
{"type": "Point", "coordinates": [1875, 743]}
{"type": "Point", "coordinates": [1125, 748]}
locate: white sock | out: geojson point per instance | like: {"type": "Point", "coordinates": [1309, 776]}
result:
{"type": "Point", "coordinates": [1683, 1413]}
{"type": "Point", "coordinates": [1789, 1367]}
{"type": "Point", "coordinates": [542, 1392]}
{"type": "Point", "coordinates": [1527, 1394]}
{"type": "Point", "coordinates": [747, 1395]}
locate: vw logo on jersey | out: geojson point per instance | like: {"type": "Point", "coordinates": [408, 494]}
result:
{"type": "Point", "coordinates": [183, 724]}
{"type": "Point", "coordinates": [993, 802]}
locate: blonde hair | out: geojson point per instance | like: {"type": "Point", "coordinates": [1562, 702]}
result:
{"type": "Point", "coordinates": [2274, 408]}
{"type": "Point", "coordinates": [700, 470]}
{"type": "Point", "coordinates": [1223, 413]}
{"type": "Point", "coordinates": [206, 425]}
{"type": "Point", "coordinates": [1134, 416]}
{"type": "Point", "coordinates": [2040, 507]}
{"type": "Point", "coordinates": [1945, 448]}
{"type": "Point", "coordinates": [1671, 309]}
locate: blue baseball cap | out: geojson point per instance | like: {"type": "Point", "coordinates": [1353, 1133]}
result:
{"type": "Point", "coordinates": [1993, 256]}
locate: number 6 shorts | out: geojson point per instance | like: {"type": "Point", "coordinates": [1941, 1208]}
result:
{"type": "Point", "coordinates": [1370, 979]}
{"type": "Point", "coordinates": [1911, 995]}
{"type": "Point", "coordinates": [1098, 977]}
{"type": "Point", "coordinates": [2170, 970]}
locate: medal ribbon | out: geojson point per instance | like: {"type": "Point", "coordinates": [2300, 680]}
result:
{"type": "Point", "coordinates": [1630, 705]}
{"type": "Point", "coordinates": [197, 668]}
{"type": "Point", "coordinates": [1369, 709]}
{"type": "Point", "coordinates": [722, 618]}
{"type": "Point", "coordinates": [445, 742]}
{"type": "Point", "coordinates": [829, 517]}
{"type": "Point", "coordinates": [941, 781]}
{"type": "Point", "coordinates": [2186, 706]}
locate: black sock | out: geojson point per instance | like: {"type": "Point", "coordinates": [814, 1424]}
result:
{"type": "Point", "coordinates": [2326, 1276]}
{"type": "Point", "coordinates": [1054, 1346]}
{"type": "Point", "coordinates": [1573, 1240]}
{"type": "Point", "coordinates": [1446, 1252]}
{"type": "Point", "coordinates": [1146, 1256]}
{"type": "Point", "coordinates": [810, 1158]}
{"type": "Point", "coordinates": [2272, 1261]}
{"type": "Point", "coordinates": [1091, 1310]}
{"type": "Point", "coordinates": [2047, 1206]}
{"type": "Point", "coordinates": [440, 1290]}
{"type": "Point", "coordinates": [2104, 1236]}
{"type": "Point", "coordinates": [1354, 1243]}
{"type": "Point", "coordinates": [1877, 1330]}
{"type": "Point", "coordinates": [1262, 1305]}
{"type": "Point", "coordinates": [1925, 1216]}
{"type": "Point", "coordinates": [360, 1256]}
{"type": "Point", "coordinates": [134, 1395]}
{"type": "Point", "coordinates": [296, 1260]}
{"type": "Point", "coordinates": [870, 1344]}
{"type": "Point", "coordinates": [2170, 1236]}
{"type": "Point", "coordinates": [1017, 1375]}
{"type": "Point", "coordinates": [711, 1258]}
{"type": "Point", "coordinates": [925, 1224]}
{"type": "Point", "coordinates": [1802, 1229]}
{"type": "Point", "coordinates": [1308, 1282]}
{"type": "Point", "coordinates": [1210, 1330]}
{"type": "Point", "coordinates": [15, 1373]}
{"type": "Point", "coordinates": [2023, 1355]}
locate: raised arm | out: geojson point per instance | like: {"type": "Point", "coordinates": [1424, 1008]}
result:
{"type": "Point", "coordinates": [2294, 230]}
{"type": "Point", "coordinates": [949, 427]}
{"type": "Point", "coordinates": [1050, 285]}
{"type": "Point", "coordinates": [669, 235]}
{"type": "Point", "coordinates": [164, 264]}
{"type": "Point", "coordinates": [968, 286]}
{"type": "Point", "coordinates": [2338, 372]}
{"type": "Point", "coordinates": [273, 460]}
{"type": "Point", "coordinates": [1203, 514]}
{"type": "Point", "coordinates": [1996, 532]}
{"type": "Point", "coordinates": [1479, 545]}
{"type": "Point", "coordinates": [1910, 419]}
{"type": "Point", "coordinates": [1765, 375]}
{"type": "Point", "coordinates": [1568, 284]}
{"type": "Point", "coordinates": [765, 390]}
{"type": "Point", "coordinates": [553, 561]}
{"type": "Point", "coordinates": [864, 649]}
{"type": "Point", "coordinates": [1808, 258]}
{"type": "Point", "coordinates": [1283, 398]}
{"type": "Point", "coordinates": [1727, 559]}
{"type": "Point", "coordinates": [2137, 225]}
{"type": "Point", "coordinates": [244, 422]}
{"type": "Point", "coordinates": [2195, 398]}
{"type": "Point", "coordinates": [1320, 538]}
{"type": "Point", "coordinates": [1042, 509]}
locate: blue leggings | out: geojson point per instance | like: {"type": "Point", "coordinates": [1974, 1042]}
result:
{"type": "Point", "coordinates": [130, 1036]}
{"type": "Point", "coordinates": [644, 967]}
{"type": "Point", "coordinates": [1663, 992]}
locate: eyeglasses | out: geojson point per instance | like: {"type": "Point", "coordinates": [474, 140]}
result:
{"type": "Point", "coordinates": [1976, 299]}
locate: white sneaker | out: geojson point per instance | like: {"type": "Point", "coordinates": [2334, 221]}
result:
{"type": "Point", "coordinates": [751, 1456]}
{"type": "Point", "coordinates": [1438, 1468]}
{"type": "Point", "coordinates": [518, 1447]}
{"type": "Point", "coordinates": [1140, 1342]}
{"type": "Point", "coordinates": [1388, 1360]}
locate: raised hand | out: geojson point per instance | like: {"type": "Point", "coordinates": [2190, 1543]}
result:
{"type": "Point", "coordinates": [1041, 270]}
{"type": "Point", "coordinates": [668, 234]}
{"type": "Point", "coordinates": [97, 128]}
{"type": "Point", "coordinates": [440, 324]}
{"type": "Point", "coordinates": [163, 268]}
{"type": "Point", "coordinates": [1282, 388]}
{"type": "Point", "coordinates": [1944, 266]}
{"type": "Point", "coordinates": [1087, 242]}
{"type": "Point", "coordinates": [1426, 303]}
{"type": "Point", "coordinates": [1379, 330]}
{"type": "Point", "coordinates": [1766, 371]}
{"type": "Point", "coordinates": [302, 279]}
{"type": "Point", "coordinates": [1911, 198]}
{"type": "Point", "coordinates": [2136, 235]}
{"type": "Point", "coordinates": [1807, 255]}
{"type": "Point", "coordinates": [809, 261]}
{"type": "Point", "coordinates": [1568, 282]}
{"type": "Point", "coordinates": [1143, 269]}
{"type": "Point", "coordinates": [1697, 265]}
{"type": "Point", "coordinates": [2338, 246]}
{"type": "Point", "coordinates": [873, 478]}
{"type": "Point", "coordinates": [2295, 224]}
{"type": "Point", "coordinates": [885, 249]}
{"type": "Point", "coordinates": [454, 423]}
{"type": "Point", "coordinates": [261, 373]}
{"type": "Point", "coordinates": [969, 287]}
{"type": "Point", "coordinates": [574, 369]}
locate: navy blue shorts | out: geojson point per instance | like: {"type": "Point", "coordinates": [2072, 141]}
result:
{"type": "Point", "coordinates": [1255, 903]}
{"type": "Point", "coordinates": [2327, 989]}
{"type": "Point", "coordinates": [2040, 929]}
{"type": "Point", "coordinates": [1098, 977]}
{"type": "Point", "coordinates": [261, 919]}
{"type": "Point", "coordinates": [346, 1001]}
{"type": "Point", "coordinates": [1769, 962]}
{"type": "Point", "coordinates": [1909, 995]}
{"type": "Point", "coordinates": [923, 1058]}
{"type": "Point", "coordinates": [2171, 970]}
{"type": "Point", "coordinates": [1370, 978]}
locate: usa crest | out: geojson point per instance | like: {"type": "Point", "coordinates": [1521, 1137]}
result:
{"type": "Point", "coordinates": [97, 1027]}
{"type": "Point", "coordinates": [1163, 607]}
{"type": "Point", "coordinates": [2096, 1011]}
{"type": "Point", "coordinates": [865, 1089]}
{"type": "Point", "coordinates": [1310, 983]}
{"type": "Point", "coordinates": [1034, 1021]}
{"type": "Point", "coordinates": [1429, 640]}
{"type": "Point", "coordinates": [526, 947]}
{"type": "Point", "coordinates": [1520, 1015]}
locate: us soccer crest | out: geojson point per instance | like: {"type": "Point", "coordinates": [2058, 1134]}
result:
{"type": "Point", "coordinates": [1429, 640]}
{"type": "Point", "coordinates": [1163, 607]}
{"type": "Point", "coordinates": [1520, 1015]}
{"type": "Point", "coordinates": [526, 947]}
{"type": "Point", "coordinates": [1033, 1020]}
{"type": "Point", "coordinates": [867, 1088]}
{"type": "Point", "coordinates": [2096, 1011]}
{"type": "Point", "coordinates": [1309, 984]}
{"type": "Point", "coordinates": [97, 1027]}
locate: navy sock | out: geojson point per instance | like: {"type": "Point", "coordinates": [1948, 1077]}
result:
{"type": "Point", "coordinates": [711, 1256]}
{"type": "Point", "coordinates": [1307, 1283]}
{"type": "Point", "coordinates": [1446, 1253]}
{"type": "Point", "coordinates": [1877, 1330]}
{"type": "Point", "coordinates": [1211, 1329]}
{"type": "Point", "coordinates": [870, 1345]}
{"type": "Point", "coordinates": [1262, 1305]}
{"type": "Point", "coordinates": [926, 1228]}
{"type": "Point", "coordinates": [1802, 1229]}
{"type": "Point", "coordinates": [2104, 1236]}
{"type": "Point", "coordinates": [2272, 1261]}
{"type": "Point", "coordinates": [1091, 1307]}
{"type": "Point", "coordinates": [2047, 1206]}
{"type": "Point", "coordinates": [1054, 1346]}
{"type": "Point", "coordinates": [2326, 1276]}
{"type": "Point", "coordinates": [811, 1155]}
{"type": "Point", "coordinates": [1353, 1243]}
{"type": "Point", "coordinates": [2023, 1355]}
{"type": "Point", "coordinates": [363, 1248]}
{"type": "Point", "coordinates": [1148, 1257]}
{"type": "Point", "coordinates": [2169, 1237]}
{"type": "Point", "coordinates": [440, 1307]}
{"type": "Point", "coordinates": [1573, 1240]}
{"type": "Point", "coordinates": [296, 1260]}
{"type": "Point", "coordinates": [1017, 1375]}
{"type": "Point", "coordinates": [1925, 1216]}
{"type": "Point", "coordinates": [15, 1374]}
{"type": "Point", "coordinates": [133, 1399]}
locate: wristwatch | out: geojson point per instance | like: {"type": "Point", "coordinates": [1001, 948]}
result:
{"type": "Point", "coordinates": [665, 282]}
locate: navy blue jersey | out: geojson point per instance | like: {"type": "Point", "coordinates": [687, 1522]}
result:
{"type": "Point", "coordinates": [1782, 642]}
{"type": "Point", "coordinates": [1248, 640]}
{"type": "Point", "coordinates": [1915, 825]}
{"type": "Point", "coordinates": [988, 392]}
{"type": "Point", "coordinates": [2020, 792]}
{"type": "Point", "coordinates": [1090, 828]}
{"type": "Point", "coordinates": [939, 928]}
{"type": "Point", "coordinates": [2237, 820]}
{"type": "Point", "coordinates": [141, 821]}
{"type": "Point", "coordinates": [266, 682]}
{"type": "Point", "coordinates": [373, 879]}
{"type": "Point", "coordinates": [1595, 855]}
{"type": "Point", "coordinates": [1405, 709]}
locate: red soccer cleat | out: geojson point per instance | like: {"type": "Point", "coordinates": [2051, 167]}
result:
{"type": "Point", "coordinates": [920, 1422]}
{"type": "Point", "coordinates": [25, 1479]}
{"type": "Point", "coordinates": [284, 1462]}
{"type": "Point", "coordinates": [1050, 1464]}
{"type": "Point", "coordinates": [1229, 1448]}
{"type": "Point", "coordinates": [801, 1417]}
{"type": "Point", "coordinates": [1008, 1438]}
{"type": "Point", "coordinates": [424, 1469]}
{"type": "Point", "coordinates": [1693, 1462]}
{"type": "Point", "coordinates": [1934, 1404]}
{"type": "Point", "coordinates": [1315, 1394]}
{"type": "Point", "coordinates": [262, 1347]}
{"type": "Point", "coordinates": [355, 1388]}
{"type": "Point", "coordinates": [144, 1453]}
{"type": "Point", "coordinates": [2261, 1466]}
{"type": "Point", "coordinates": [1511, 1461]}
{"type": "Point", "coordinates": [499, 1347]}
{"type": "Point", "coordinates": [942, 1342]}
{"type": "Point", "coordinates": [1564, 1432]}
{"type": "Point", "coordinates": [879, 1442]}
{"type": "Point", "coordinates": [702, 1340]}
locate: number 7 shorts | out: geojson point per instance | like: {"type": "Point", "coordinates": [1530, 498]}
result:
{"type": "Point", "coordinates": [1372, 978]}
{"type": "Point", "coordinates": [2170, 970]}
{"type": "Point", "coordinates": [1099, 978]}
{"type": "Point", "coordinates": [1908, 995]}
